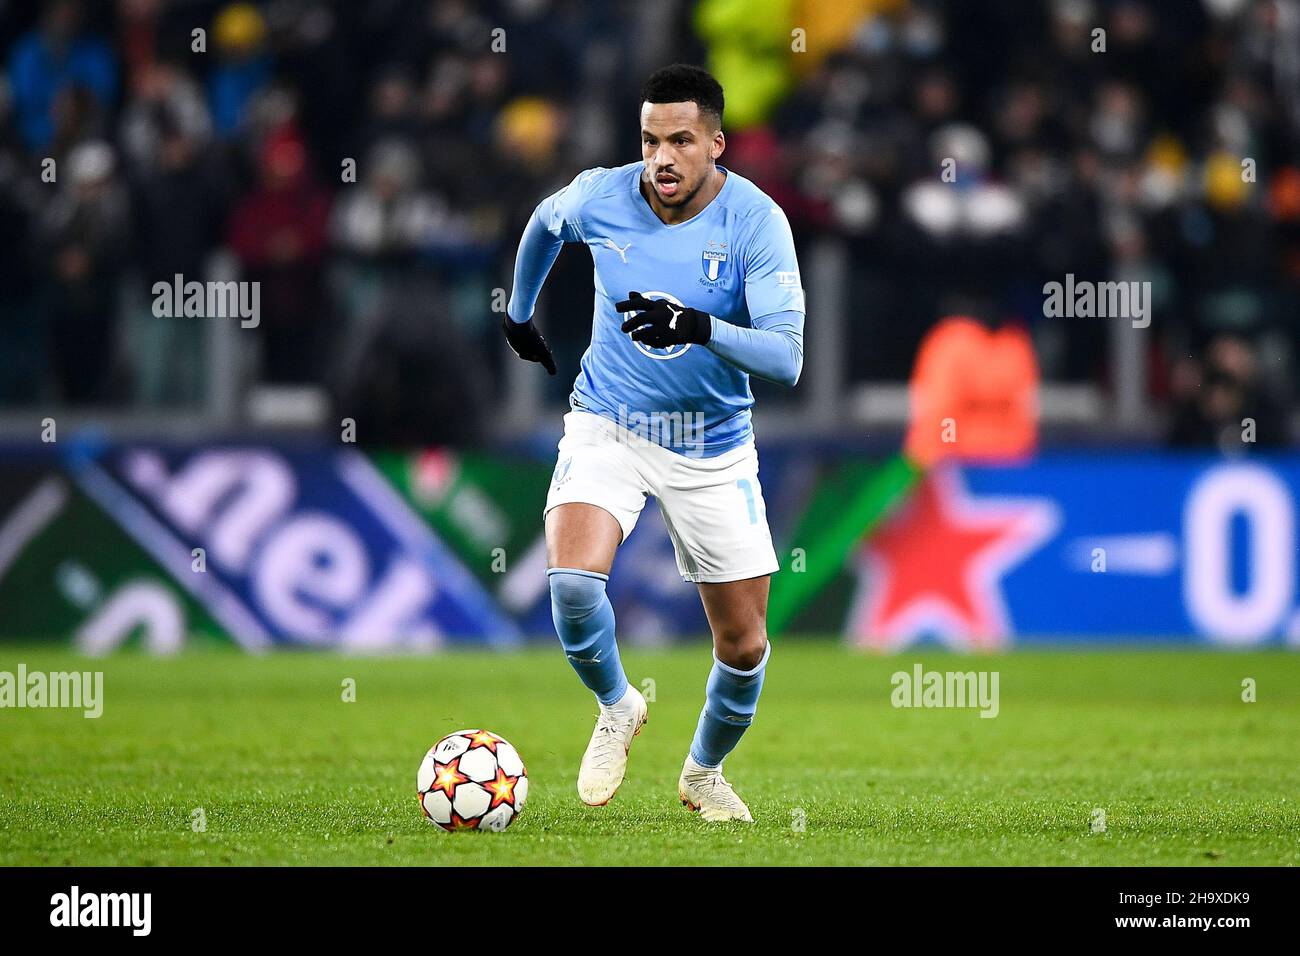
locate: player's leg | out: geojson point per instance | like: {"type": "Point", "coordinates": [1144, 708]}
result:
{"type": "Point", "coordinates": [715, 515]}
{"type": "Point", "coordinates": [593, 504]}
{"type": "Point", "coordinates": [737, 613]}
{"type": "Point", "coordinates": [580, 543]}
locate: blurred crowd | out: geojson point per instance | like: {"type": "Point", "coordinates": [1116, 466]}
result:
{"type": "Point", "coordinates": [372, 164]}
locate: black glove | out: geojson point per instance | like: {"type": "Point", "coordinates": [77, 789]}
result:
{"type": "Point", "coordinates": [658, 323]}
{"type": "Point", "coordinates": [528, 343]}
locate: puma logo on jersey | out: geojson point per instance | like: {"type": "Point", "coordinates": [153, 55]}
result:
{"type": "Point", "coordinates": [622, 253]}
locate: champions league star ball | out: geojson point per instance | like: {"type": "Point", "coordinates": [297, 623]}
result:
{"type": "Point", "coordinates": [472, 779]}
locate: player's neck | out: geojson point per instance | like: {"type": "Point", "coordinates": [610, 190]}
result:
{"type": "Point", "coordinates": [673, 215]}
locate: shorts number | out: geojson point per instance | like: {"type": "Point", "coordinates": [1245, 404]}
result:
{"type": "Point", "coordinates": [744, 485]}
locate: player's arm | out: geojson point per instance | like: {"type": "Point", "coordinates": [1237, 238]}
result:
{"type": "Point", "coordinates": [548, 229]}
{"type": "Point", "coordinates": [772, 348]}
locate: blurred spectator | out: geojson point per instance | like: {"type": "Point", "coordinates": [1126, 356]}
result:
{"type": "Point", "coordinates": [149, 31]}
{"type": "Point", "coordinates": [749, 53]}
{"type": "Point", "coordinates": [392, 108]}
{"type": "Point", "coordinates": [279, 233]}
{"type": "Point", "coordinates": [56, 59]}
{"type": "Point", "coordinates": [180, 192]}
{"type": "Point", "coordinates": [244, 66]}
{"type": "Point", "coordinates": [164, 101]}
{"type": "Point", "coordinates": [382, 228]}
{"type": "Point", "coordinates": [83, 237]}
{"type": "Point", "coordinates": [402, 363]}
{"type": "Point", "coordinates": [22, 351]}
{"type": "Point", "coordinates": [388, 217]}
{"type": "Point", "coordinates": [1221, 402]}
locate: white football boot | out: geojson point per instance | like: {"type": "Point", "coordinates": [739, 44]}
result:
{"type": "Point", "coordinates": [705, 791]}
{"type": "Point", "coordinates": [605, 761]}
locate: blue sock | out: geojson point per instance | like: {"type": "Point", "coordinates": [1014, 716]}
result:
{"type": "Point", "coordinates": [730, 699]}
{"type": "Point", "coordinates": [584, 619]}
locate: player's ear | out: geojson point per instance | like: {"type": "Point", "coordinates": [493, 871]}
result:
{"type": "Point", "coordinates": [719, 145]}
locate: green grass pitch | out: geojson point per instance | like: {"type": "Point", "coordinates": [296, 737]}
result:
{"type": "Point", "coordinates": [286, 772]}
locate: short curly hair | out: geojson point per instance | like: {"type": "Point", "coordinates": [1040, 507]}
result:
{"type": "Point", "coordinates": [684, 83]}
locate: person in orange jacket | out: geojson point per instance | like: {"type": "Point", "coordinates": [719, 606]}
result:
{"type": "Point", "coordinates": [974, 393]}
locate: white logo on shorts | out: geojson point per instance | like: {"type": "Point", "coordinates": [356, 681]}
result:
{"type": "Point", "coordinates": [562, 472]}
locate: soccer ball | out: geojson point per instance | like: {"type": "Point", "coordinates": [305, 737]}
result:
{"type": "Point", "coordinates": [472, 779]}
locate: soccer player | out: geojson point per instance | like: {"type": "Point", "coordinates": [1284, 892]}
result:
{"type": "Point", "coordinates": [697, 288]}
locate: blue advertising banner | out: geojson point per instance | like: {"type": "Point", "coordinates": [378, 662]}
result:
{"type": "Point", "coordinates": [1139, 547]}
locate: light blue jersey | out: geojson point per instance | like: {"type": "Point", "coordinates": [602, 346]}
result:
{"type": "Point", "coordinates": [734, 260]}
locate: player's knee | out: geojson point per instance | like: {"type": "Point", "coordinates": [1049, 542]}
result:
{"type": "Point", "coordinates": [741, 648]}
{"type": "Point", "coordinates": [575, 595]}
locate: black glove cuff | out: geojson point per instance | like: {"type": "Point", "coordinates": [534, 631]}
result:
{"type": "Point", "coordinates": [701, 328]}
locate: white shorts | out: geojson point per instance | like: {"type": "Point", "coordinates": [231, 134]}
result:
{"type": "Point", "coordinates": [713, 507]}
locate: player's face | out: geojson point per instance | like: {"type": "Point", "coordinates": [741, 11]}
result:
{"type": "Point", "coordinates": [679, 148]}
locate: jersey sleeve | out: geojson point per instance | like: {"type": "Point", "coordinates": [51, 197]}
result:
{"type": "Point", "coordinates": [772, 282]}
{"type": "Point", "coordinates": [772, 349]}
{"type": "Point", "coordinates": [556, 220]}
{"type": "Point", "coordinates": [561, 212]}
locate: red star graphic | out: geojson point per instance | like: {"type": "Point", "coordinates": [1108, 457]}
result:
{"type": "Point", "coordinates": [458, 824]}
{"type": "Point", "coordinates": [484, 738]}
{"type": "Point", "coordinates": [502, 789]}
{"type": "Point", "coordinates": [447, 777]}
{"type": "Point", "coordinates": [936, 565]}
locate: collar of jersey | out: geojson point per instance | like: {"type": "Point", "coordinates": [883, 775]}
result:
{"type": "Point", "coordinates": [641, 200]}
